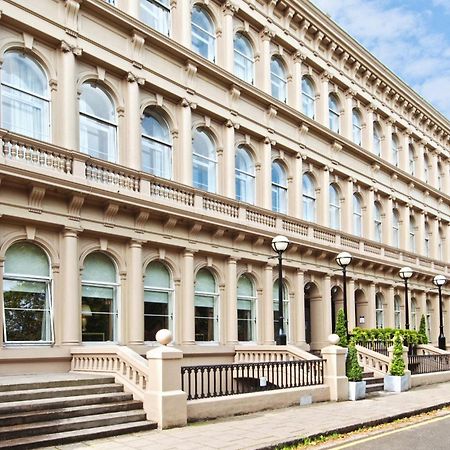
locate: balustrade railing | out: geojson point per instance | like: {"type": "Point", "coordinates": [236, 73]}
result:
{"type": "Point", "coordinates": [231, 379]}
{"type": "Point", "coordinates": [418, 364]}
{"type": "Point", "coordinates": [377, 346]}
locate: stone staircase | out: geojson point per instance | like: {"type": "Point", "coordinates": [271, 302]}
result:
{"type": "Point", "coordinates": [40, 411]}
{"type": "Point", "coordinates": [373, 384]}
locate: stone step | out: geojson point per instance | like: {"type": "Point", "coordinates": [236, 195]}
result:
{"type": "Point", "coordinates": [368, 374]}
{"type": "Point", "coordinates": [75, 436]}
{"type": "Point", "coordinates": [370, 381]}
{"type": "Point", "coordinates": [33, 394]}
{"type": "Point", "coordinates": [374, 387]}
{"type": "Point", "coordinates": [70, 424]}
{"type": "Point", "coordinates": [62, 402]}
{"type": "Point", "coordinates": [45, 415]}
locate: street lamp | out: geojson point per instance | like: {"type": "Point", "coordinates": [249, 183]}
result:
{"type": "Point", "coordinates": [279, 245]}
{"type": "Point", "coordinates": [439, 281]}
{"type": "Point", "coordinates": [405, 274]}
{"type": "Point", "coordinates": [343, 260]}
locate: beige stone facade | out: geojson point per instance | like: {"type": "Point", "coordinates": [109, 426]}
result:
{"type": "Point", "coordinates": [144, 173]}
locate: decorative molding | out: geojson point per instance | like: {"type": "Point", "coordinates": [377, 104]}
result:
{"type": "Point", "coordinates": [35, 198]}
{"type": "Point", "coordinates": [30, 232]}
{"type": "Point", "coordinates": [137, 49]}
{"type": "Point", "coordinates": [72, 8]}
{"type": "Point", "coordinates": [109, 214]}
{"type": "Point", "coordinates": [74, 208]}
{"type": "Point", "coordinates": [140, 221]}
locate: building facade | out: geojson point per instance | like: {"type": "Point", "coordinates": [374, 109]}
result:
{"type": "Point", "coordinates": [151, 150]}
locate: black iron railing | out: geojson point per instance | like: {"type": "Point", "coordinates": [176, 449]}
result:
{"type": "Point", "coordinates": [383, 346]}
{"type": "Point", "coordinates": [230, 379]}
{"type": "Point", "coordinates": [428, 363]}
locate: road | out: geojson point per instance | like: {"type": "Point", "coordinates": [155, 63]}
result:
{"type": "Point", "coordinates": [432, 434]}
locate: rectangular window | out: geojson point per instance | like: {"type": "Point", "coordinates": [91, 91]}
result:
{"type": "Point", "coordinates": [246, 320]}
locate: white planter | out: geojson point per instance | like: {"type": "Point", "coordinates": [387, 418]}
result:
{"type": "Point", "coordinates": [397, 384]}
{"type": "Point", "coordinates": [356, 390]}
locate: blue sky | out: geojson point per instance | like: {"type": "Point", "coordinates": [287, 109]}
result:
{"type": "Point", "coordinates": [411, 37]}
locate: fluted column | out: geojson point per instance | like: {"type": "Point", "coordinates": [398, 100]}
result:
{"type": "Point", "coordinates": [351, 308]}
{"type": "Point", "coordinates": [131, 139]}
{"type": "Point", "coordinates": [229, 159]}
{"type": "Point", "coordinates": [71, 307]}
{"type": "Point", "coordinates": [324, 210]}
{"type": "Point", "coordinates": [300, 309]}
{"type": "Point", "coordinates": [267, 318]}
{"type": "Point", "coordinates": [187, 286]}
{"type": "Point", "coordinates": [231, 301]}
{"type": "Point", "coordinates": [135, 293]}
{"type": "Point", "coordinates": [185, 142]}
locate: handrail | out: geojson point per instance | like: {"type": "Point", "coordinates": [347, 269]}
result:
{"type": "Point", "coordinates": [129, 368]}
{"type": "Point", "coordinates": [373, 361]}
{"type": "Point", "coordinates": [270, 353]}
{"type": "Point", "coordinates": [428, 349]}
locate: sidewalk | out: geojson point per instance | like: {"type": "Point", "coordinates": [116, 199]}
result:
{"type": "Point", "coordinates": [284, 426]}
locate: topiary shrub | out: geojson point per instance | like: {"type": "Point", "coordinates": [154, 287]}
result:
{"type": "Point", "coordinates": [352, 367]}
{"type": "Point", "coordinates": [341, 330]}
{"type": "Point", "coordinates": [423, 330]}
{"type": "Point", "coordinates": [397, 363]}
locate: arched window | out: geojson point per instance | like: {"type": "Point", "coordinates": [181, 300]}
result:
{"type": "Point", "coordinates": [394, 150]}
{"type": "Point", "coordinates": [278, 79]}
{"type": "Point", "coordinates": [204, 160]}
{"type": "Point", "coordinates": [357, 215]}
{"type": "Point", "coordinates": [99, 299]}
{"type": "Point", "coordinates": [25, 102]}
{"type": "Point", "coordinates": [245, 176]}
{"type": "Point", "coordinates": [309, 198]}
{"type": "Point", "coordinates": [377, 232]}
{"type": "Point", "coordinates": [411, 160]}
{"type": "Point", "coordinates": [98, 125]}
{"type": "Point", "coordinates": [156, 145]}
{"type": "Point", "coordinates": [244, 59]}
{"type": "Point", "coordinates": [397, 312]}
{"type": "Point", "coordinates": [426, 168]}
{"type": "Point", "coordinates": [156, 14]}
{"type": "Point", "coordinates": [308, 98]}
{"type": "Point", "coordinates": [276, 310]}
{"type": "Point", "coordinates": [379, 310]}
{"type": "Point", "coordinates": [395, 228]}
{"type": "Point", "coordinates": [203, 33]}
{"type": "Point", "coordinates": [279, 188]}
{"type": "Point", "coordinates": [27, 297]}
{"type": "Point", "coordinates": [414, 313]}
{"type": "Point", "coordinates": [440, 174]}
{"type": "Point", "coordinates": [334, 113]}
{"type": "Point", "coordinates": [412, 233]}
{"type": "Point", "coordinates": [206, 307]}
{"type": "Point", "coordinates": [426, 243]}
{"type": "Point", "coordinates": [335, 207]}
{"type": "Point", "coordinates": [428, 319]}
{"type": "Point", "coordinates": [356, 126]}
{"type": "Point", "coordinates": [377, 136]}
{"type": "Point", "coordinates": [246, 309]}
{"type": "Point", "coordinates": [158, 307]}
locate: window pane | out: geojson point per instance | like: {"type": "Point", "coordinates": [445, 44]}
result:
{"type": "Point", "coordinates": [155, 13]}
{"type": "Point", "coordinates": [98, 314]}
{"type": "Point", "coordinates": [203, 33]}
{"type": "Point", "coordinates": [157, 275]}
{"type": "Point", "coordinates": [26, 259]}
{"type": "Point", "coordinates": [97, 139]}
{"type": "Point", "coordinates": [99, 267]}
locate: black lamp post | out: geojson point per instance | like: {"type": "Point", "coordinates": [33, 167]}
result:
{"type": "Point", "coordinates": [279, 245]}
{"type": "Point", "coordinates": [439, 281]}
{"type": "Point", "coordinates": [343, 260]}
{"type": "Point", "coordinates": [405, 274]}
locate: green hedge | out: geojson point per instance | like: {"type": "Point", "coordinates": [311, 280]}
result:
{"type": "Point", "coordinates": [409, 337]}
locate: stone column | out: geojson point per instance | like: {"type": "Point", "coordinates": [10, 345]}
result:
{"type": "Point", "coordinates": [386, 147]}
{"type": "Point", "coordinates": [295, 92]}
{"type": "Point", "coordinates": [299, 337]}
{"type": "Point", "coordinates": [226, 57]}
{"type": "Point", "coordinates": [326, 308]}
{"type": "Point", "coordinates": [295, 197]}
{"type": "Point", "coordinates": [231, 302]}
{"type": "Point", "coordinates": [264, 197]}
{"type": "Point", "coordinates": [181, 22]}
{"type": "Point", "coordinates": [268, 305]}
{"type": "Point", "coordinates": [334, 375]}
{"type": "Point", "coordinates": [347, 217]}
{"type": "Point", "coordinates": [404, 228]}
{"type": "Point", "coordinates": [446, 176]}
{"type": "Point", "coordinates": [420, 161]}
{"type": "Point", "coordinates": [405, 140]}
{"type": "Point", "coordinates": [420, 237]}
{"type": "Point", "coordinates": [323, 112]}
{"type": "Point", "coordinates": [389, 321]}
{"type": "Point", "coordinates": [348, 115]}
{"type": "Point", "coordinates": [389, 217]}
{"type": "Point", "coordinates": [131, 7]}
{"type": "Point", "coordinates": [368, 218]}
{"type": "Point", "coordinates": [351, 308]}
{"type": "Point", "coordinates": [229, 159]}
{"type": "Point", "coordinates": [324, 210]}
{"type": "Point", "coordinates": [367, 134]}
{"type": "Point", "coordinates": [71, 307]}
{"type": "Point", "coordinates": [434, 237]}
{"type": "Point", "coordinates": [371, 306]}
{"type": "Point", "coordinates": [263, 74]}
{"type": "Point", "coordinates": [131, 139]}
{"type": "Point", "coordinates": [433, 170]}
{"type": "Point", "coordinates": [185, 142]}
{"type": "Point", "coordinates": [135, 304]}
{"type": "Point", "coordinates": [187, 285]}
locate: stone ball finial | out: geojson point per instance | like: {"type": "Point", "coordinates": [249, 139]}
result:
{"type": "Point", "coordinates": [333, 339]}
{"type": "Point", "coordinates": [164, 336]}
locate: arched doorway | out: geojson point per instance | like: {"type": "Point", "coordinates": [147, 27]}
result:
{"type": "Point", "coordinates": [337, 302]}
{"type": "Point", "coordinates": [361, 309]}
{"type": "Point", "coordinates": [312, 297]}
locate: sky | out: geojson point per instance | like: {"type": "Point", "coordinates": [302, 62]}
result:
{"type": "Point", "coordinates": [410, 37]}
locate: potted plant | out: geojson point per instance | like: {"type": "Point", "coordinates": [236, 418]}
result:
{"type": "Point", "coordinates": [356, 386]}
{"type": "Point", "coordinates": [397, 380]}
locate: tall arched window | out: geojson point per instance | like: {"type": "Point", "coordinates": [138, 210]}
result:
{"type": "Point", "coordinates": [412, 233]}
{"type": "Point", "coordinates": [395, 228]}
{"type": "Point", "coordinates": [158, 307]}
{"type": "Point", "coordinates": [379, 310]}
{"type": "Point", "coordinates": [278, 78]}
{"type": "Point", "coordinates": [279, 188]}
{"type": "Point", "coordinates": [309, 198]}
{"type": "Point", "coordinates": [414, 313]}
{"type": "Point", "coordinates": [206, 307]}
{"type": "Point", "coordinates": [426, 168]}
{"type": "Point", "coordinates": [27, 297]}
{"type": "Point", "coordinates": [204, 160]}
{"type": "Point", "coordinates": [246, 309]}
{"type": "Point", "coordinates": [377, 137]}
{"type": "Point", "coordinates": [25, 101]}
{"type": "Point", "coordinates": [244, 59]}
{"type": "Point", "coordinates": [156, 14]}
{"type": "Point", "coordinates": [334, 113]}
{"type": "Point", "coordinates": [356, 126]}
{"type": "Point", "coordinates": [426, 239]}
{"type": "Point", "coordinates": [411, 160]}
{"type": "Point", "coordinates": [357, 215]}
{"type": "Point", "coordinates": [397, 312]}
{"type": "Point", "coordinates": [203, 33]}
{"type": "Point", "coordinates": [156, 145]}
{"type": "Point", "coordinates": [394, 150]}
{"type": "Point", "coordinates": [99, 307]}
{"type": "Point", "coordinates": [308, 98]}
{"type": "Point", "coordinates": [335, 207]}
{"type": "Point", "coordinates": [377, 223]}
{"type": "Point", "coordinates": [276, 309]}
{"type": "Point", "coordinates": [98, 123]}
{"type": "Point", "coordinates": [245, 176]}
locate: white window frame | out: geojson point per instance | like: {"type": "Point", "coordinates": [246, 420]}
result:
{"type": "Point", "coordinates": [159, 11]}
{"type": "Point", "coordinates": [379, 310]}
{"type": "Point", "coordinates": [377, 222]}
{"type": "Point", "coordinates": [395, 151]}
{"type": "Point", "coordinates": [309, 199]}
{"type": "Point", "coordinates": [216, 311]}
{"type": "Point", "coordinates": [253, 320]}
{"type": "Point", "coordinates": [356, 126]}
{"type": "Point", "coordinates": [377, 139]}
{"type": "Point", "coordinates": [278, 81]}
{"type": "Point", "coordinates": [334, 115]}
{"type": "Point", "coordinates": [245, 61]}
{"type": "Point", "coordinates": [308, 100]}
{"type": "Point", "coordinates": [248, 178]}
{"type": "Point", "coordinates": [395, 228]}
{"type": "Point", "coordinates": [206, 163]}
{"type": "Point", "coordinates": [281, 192]}
{"type": "Point", "coordinates": [208, 37]}
{"type": "Point", "coordinates": [397, 312]}
{"type": "Point", "coordinates": [357, 215]}
{"type": "Point", "coordinates": [334, 208]}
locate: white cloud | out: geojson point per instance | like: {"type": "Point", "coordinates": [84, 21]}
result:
{"type": "Point", "coordinates": [444, 4]}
